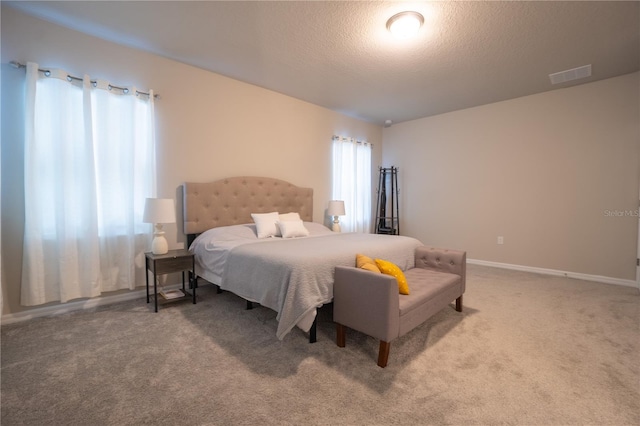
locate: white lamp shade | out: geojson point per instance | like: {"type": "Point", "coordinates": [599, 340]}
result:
{"type": "Point", "coordinates": [336, 208]}
{"type": "Point", "coordinates": [159, 210]}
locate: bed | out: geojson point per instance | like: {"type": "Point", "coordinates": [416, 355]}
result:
{"type": "Point", "coordinates": [292, 276]}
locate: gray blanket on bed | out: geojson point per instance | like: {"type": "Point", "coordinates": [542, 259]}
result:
{"type": "Point", "coordinates": [295, 276]}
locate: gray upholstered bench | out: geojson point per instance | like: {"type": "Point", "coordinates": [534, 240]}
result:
{"type": "Point", "coordinates": [370, 302]}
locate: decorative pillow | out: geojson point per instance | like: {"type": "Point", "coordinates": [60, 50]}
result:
{"type": "Point", "coordinates": [283, 217]}
{"type": "Point", "coordinates": [389, 268]}
{"type": "Point", "coordinates": [367, 263]}
{"type": "Point", "coordinates": [292, 229]}
{"type": "Point", "coordinates": [266, 224]}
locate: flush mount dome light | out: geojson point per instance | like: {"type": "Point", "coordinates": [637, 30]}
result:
{"type": "Point", "coordinates": [405, 24]}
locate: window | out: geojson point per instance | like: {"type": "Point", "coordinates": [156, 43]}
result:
{"type": "Point", "coordinates": [89, 165]}
{"type": "Point", "coordinates": [352, 182]}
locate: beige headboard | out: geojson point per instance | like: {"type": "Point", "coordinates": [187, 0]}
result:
{"type": "Point", "coordinates": [231, 201]}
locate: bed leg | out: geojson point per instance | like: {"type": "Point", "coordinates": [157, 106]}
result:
{"type": "Point", "coordinates": [312, 331]}
{"type": "Point", "coordinates": [218, 289]}
{"type": "Point", "coordinates": [249, 305]}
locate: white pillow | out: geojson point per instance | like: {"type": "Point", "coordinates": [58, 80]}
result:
{"type": "Point", "coordinates": [293, 229]}
{"type": "Point", "coordinates": [289, 216]}
{"type": "Point", "coordinates": [317, 229]}
{"type": "Point", "coordinates": [266, 224]}
{"type": "Point", "coordinates": [216, 237]}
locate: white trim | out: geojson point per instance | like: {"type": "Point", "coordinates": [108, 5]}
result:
{"type": "Point", "coordinates": [107, 300]}
{"type": "Point", "coordinates": [555, 272]}
{"type": "Point", "coordinates": [76, 306]}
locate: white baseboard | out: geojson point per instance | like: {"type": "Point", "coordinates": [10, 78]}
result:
{"type": "Point", "coordinates": [107, 300]}
{"type": "Point", "coordinates": [555, 272]}
{"type": "Point", "coordinates": [65, 308]}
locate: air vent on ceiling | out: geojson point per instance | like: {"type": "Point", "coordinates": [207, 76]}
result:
{"type": "Point", "coordinates": [572, 74]}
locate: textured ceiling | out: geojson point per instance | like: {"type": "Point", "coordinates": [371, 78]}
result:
{"type": "Point", "coordinates": [340, 56]}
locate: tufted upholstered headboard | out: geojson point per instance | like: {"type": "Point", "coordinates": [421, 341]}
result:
{"type": "Point", "coordinates": [231, 201]}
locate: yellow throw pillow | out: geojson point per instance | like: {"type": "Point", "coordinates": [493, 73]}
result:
{"type": "Point", "coordinates": [389, 268]}
{"type": "Point", "coordinates": [367, 263]}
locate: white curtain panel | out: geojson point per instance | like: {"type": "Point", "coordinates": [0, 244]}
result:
{"type": "Point", "coordinates": [89, 165]}
{"type": "Point", "coordinates": [352, 182]}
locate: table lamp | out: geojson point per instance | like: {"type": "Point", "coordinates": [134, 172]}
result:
{"type": "Point", "coordinates": [159, 211]}
{"type": "Point", "coordinates": [336, 208]}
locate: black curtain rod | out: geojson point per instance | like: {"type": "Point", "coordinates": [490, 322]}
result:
{"type": "Point", "coordinates": [47, 73]}
{"type": "Point", "coordinates": [336, 137]}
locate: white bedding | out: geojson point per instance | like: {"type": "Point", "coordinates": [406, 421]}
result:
{"type": "Point", "coordinates": [212, 247]}
{"type": "Point", "coordinates": [291, 276]}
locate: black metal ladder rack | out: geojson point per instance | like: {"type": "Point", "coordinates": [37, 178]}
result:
{"type": "Point", "coordinates": [388, 224]}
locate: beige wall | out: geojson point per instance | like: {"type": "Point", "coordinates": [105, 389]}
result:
{"type": "Point", "coordinates": [208, 126]}
{"type": "Point", "coordinates": [542, 171]}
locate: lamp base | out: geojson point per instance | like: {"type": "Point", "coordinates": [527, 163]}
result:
{"type": "Point", "coordinates": [159, 244]}
{"type": "Point", "coordinates": [336, 225]}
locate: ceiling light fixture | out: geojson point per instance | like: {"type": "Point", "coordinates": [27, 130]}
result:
{"type": "Point", "coordinates": [405, 25]}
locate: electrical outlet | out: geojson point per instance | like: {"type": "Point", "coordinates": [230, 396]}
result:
{"type": "Point", "coordinates": [501, 240]}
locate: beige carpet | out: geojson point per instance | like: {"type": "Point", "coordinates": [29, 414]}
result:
{"type": "Point", "coordinates": [528, 350]}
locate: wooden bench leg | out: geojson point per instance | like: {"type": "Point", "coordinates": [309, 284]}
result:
{"type": "Point", "coordinates": [383, 353]}
{"type": "Point", "coordinates": [340, 335]}
{"type": "Point", "coordinates": [459, 304]}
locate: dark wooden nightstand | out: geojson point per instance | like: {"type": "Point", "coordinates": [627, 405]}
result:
{"type": "Point", "coordinates": [173, 261]}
